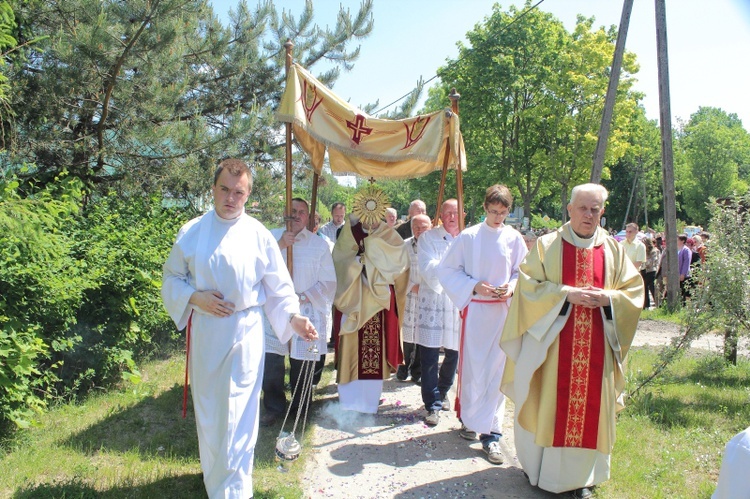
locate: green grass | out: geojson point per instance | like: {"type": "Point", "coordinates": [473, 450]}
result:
{"type": "Point", "coordinates": [662, 314]}
{"type": "Point", "coordinates": [133, 442]}
{"type": "Point", "coordinates": [670, 440]}
{"type": "Point", "coordinates": [128, 443]}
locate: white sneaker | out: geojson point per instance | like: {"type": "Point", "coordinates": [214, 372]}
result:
{"type": "Point", "coordinates": [494, 454]}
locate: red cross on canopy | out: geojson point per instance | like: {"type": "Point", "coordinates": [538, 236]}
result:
{"type": "Point", "coordinates": [359, 128]}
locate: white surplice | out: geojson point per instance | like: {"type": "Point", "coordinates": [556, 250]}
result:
{"type": "Point", "coordinates": [437, 316]}
{"type": "Point", "coordinates": [482, 253]}
{"type": "Point", "coordinates": [240, 259]}
{"type": "Point", "coordinates": [315, 283]}
{"type": "Point", "coordinates": [409, 325]}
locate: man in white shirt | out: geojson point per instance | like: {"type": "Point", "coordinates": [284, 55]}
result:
{"type": "Point", "coordinates": [634, 248]}
{"type": "Point", "coordinates": [331, 229]}
{"type": "Point", "coordinates": [223, 267]}
{"type": "Point", "coordinates": [315, 283]}
{"type": "Point", "coordinates": [438, 320]}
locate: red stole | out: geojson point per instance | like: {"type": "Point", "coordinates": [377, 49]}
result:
{"type": "Point", "coordinates": [379, 336]}
{"type": "Point", "coordinates": [581, 357]}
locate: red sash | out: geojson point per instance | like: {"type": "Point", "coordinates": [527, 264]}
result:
{"type": "Point", "coordinates": [581, 357]}
{"type": "Point", "coordinates": [187, 361]}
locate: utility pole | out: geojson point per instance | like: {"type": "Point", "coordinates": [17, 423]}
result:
{"type": "Point", "coordinates": [667, 160]}
{"type": "Point", "coordinates": [609, 102]}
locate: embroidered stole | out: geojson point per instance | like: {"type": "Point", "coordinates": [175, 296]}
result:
{"type": "Point", "coordinates": [379, 337]}
{"type": "Point", "coordinates": [581, 355]}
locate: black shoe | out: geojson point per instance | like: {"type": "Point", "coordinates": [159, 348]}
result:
{"type": "Point", "coordinates": [582, 493]}
{"type": "Point", "coordinates": [269, 419]}
{"type": "Point", "coordinates": [467, 434]}
{"type": "Point", "coordinates": [446, 404]}
{"type": "Point", "coordinates": [417, 381]}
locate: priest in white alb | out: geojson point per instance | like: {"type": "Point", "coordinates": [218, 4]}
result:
{"type": "Point", "coordinates": [479, 273]}
{"type": "Point", "coordinates": [223, 267]}
{"type": "Point", "coordinates": [412, 366]}
{"type": "Point", "coordinates": [567, 335]}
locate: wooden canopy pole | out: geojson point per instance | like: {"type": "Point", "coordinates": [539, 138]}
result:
{"type": "Point", "coordinates": [454, 96]}
{"type": "Point", "coordinates": [313, 201]}
{"type": "Point", "coordinates": [288, 210]}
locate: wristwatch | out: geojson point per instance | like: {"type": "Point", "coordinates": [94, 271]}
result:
{"type": "Point", "coordinates": [291, 316]}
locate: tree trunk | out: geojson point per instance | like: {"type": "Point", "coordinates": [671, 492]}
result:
{"type": "Point", "coordinates": [730, 345]}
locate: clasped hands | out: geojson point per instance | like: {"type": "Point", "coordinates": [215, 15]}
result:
{"type": "Point", "coordinates": [588, 296]}
{"type": "Point", "coordinates": [483, 288]}
{"type": "Point", "coordinates": [213, 302]}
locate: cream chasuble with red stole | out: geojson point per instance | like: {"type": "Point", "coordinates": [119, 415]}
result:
{"type": "Point", "coordinates": [565, 369]}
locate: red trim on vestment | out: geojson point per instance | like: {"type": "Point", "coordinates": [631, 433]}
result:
{"type": "Point", "coordinates": [379, 337]}
{"type": "Point", "coordinates": [337, 315]}
{"type": "Point", "coordinates": [187, 361]}
{"type": "Point", "coordinates": [581, 356]}
{"type": "Point", "coordinates": [394, 355]}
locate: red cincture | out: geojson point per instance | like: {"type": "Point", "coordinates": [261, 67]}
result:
{"type": "Point", "coordinates": [187, 361]}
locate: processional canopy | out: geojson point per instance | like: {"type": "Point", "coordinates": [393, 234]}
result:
{"type": "Point", "coordinates": [360, 144]}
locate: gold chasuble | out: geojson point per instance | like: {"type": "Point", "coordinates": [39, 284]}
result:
{"type": "Point", "coordinates": [565, 363]}
{"type": "Point", "coordinates": [372, 273]}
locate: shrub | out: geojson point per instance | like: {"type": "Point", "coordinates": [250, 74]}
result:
{"type": "Point", "coordinates": [122, 243]}
{"type": "Point", "coordinates": [40, 293]}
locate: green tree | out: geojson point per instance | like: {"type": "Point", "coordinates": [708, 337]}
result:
{"type": "Point", "coordinates": [532, 95]}
{"type": "Point", "coordinates": [148, 94]}
{"type": "Point", "coordinates": [7, 43]}
{"type": "Point", "coordinates": [715, 150]}
{"type": "Point", "coordinates": [634, 183]}
{"type": "Point", "coordinates": [721, 298]}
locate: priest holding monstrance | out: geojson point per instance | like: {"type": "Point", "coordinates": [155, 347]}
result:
{"type": "Point", "coordinates": [372, 273]}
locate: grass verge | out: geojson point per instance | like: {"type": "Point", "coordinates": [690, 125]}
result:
{"type": "Point", "coordinates": [129, 443]}
{"type": "Point", "coordinates": [670, 440]}
{"type": "Point", "coordinates": [133, 443]}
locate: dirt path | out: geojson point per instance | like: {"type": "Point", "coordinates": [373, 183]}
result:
{"type": "Point", "coordinates": [393, 454]}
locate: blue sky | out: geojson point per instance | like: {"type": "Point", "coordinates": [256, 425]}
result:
{"type": "Point", "coordinates": [708, 43]}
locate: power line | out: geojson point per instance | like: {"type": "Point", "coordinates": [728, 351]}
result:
{"type": "Point", "coordinates": [428, 81]}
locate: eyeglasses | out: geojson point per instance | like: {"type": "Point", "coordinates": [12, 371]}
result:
{"type": "Point", "coordinates": [498, 213]}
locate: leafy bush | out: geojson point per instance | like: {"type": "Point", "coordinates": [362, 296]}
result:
{"type": "Point", "coordinates": [21, 381]}
{"type": "Point", "coordinates": [538, 222]}
{"type": "Point", "coordinates": [40, 293]}
{"type": "Point", "coordinates": [79, 292]}
{"type": "Point", "coordinates": [122, 244]}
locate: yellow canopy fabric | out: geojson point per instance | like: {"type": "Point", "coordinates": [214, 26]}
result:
{"type": "Point", "coordinates": [360, 144]}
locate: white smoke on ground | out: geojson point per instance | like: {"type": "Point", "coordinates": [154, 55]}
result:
{"type": "Point", "coordinates": [346, 420]}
